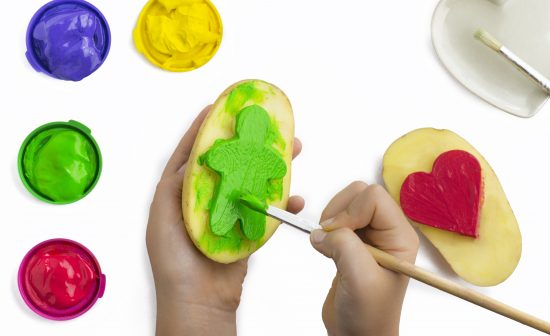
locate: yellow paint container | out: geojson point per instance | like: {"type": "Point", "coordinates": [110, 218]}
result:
{"type": "Point", "coordinates": [178, 35]}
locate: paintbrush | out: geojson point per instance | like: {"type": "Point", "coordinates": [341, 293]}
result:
{"type": "Point", "coordinates": [520, 64]}
{"type": "Point", "coordinates": [395, 264]}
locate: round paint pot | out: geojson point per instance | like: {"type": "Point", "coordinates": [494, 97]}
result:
{"type": "Point", "coordinates": [60, 279]}
{"type": "Point", "coordinates": [179, 35]}
{"type": "Point", "coordinates": [68, 39]}
{"type": "Point", "coordinates": [60, 162]}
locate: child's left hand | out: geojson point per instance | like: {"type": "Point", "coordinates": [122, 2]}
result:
{"type": "Point", "coordinates": [195, 295]}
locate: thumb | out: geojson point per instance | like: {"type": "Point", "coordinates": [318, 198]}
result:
{"type": "Point", "coordinates": [351, 256]}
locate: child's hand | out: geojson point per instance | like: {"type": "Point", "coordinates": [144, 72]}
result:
{"type": "Point", "coordinates": [195, 295]}
{"type": "Point", "coordinates": [365, 299]}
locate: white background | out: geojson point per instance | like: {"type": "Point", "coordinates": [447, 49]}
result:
{"type": "Point", "coordinates": [358, 73]}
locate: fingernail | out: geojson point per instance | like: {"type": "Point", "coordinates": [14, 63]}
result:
{"type": "Point", "coordinates": [327, 222]}
{"type": "Point", "coordinates": [317, 236]}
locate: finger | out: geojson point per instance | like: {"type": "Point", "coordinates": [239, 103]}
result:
{"type": "Point", "coordinates": [170, 186]}
{"type": "Point", "coordinates": [329, 307]}
{"type": "Point", "coordinates": [297, 149]}
{"type": "Point", "coordinates": [360, 212]}
{"type": "Point", "coordinates": [295, 204]}
{"type": "Point", "coordinates": [167, 199]}
{"type": "Point", "coordinates": [181, 154]}
{"type": "Point", "coordinates": [387, 227]}
{"type": "Point", "coordinates": [342, 199]}
{"type": "Point", "coordinates": [350, 255]}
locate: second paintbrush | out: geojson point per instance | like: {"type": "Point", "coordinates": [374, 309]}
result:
{"type": "Point", "coordinates": [520, 64]}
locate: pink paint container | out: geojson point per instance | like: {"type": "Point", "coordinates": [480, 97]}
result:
{"type": "Point", "coordinates": [60, 279]}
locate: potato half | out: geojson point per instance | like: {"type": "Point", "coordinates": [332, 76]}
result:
{"type": "Point", "coordinates": [484, 261]}
{"type": "Point", "coordinates": [200, 181]}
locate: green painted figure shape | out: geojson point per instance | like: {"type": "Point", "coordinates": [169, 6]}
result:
{"type": "Point", "coordinates": [246, 164]}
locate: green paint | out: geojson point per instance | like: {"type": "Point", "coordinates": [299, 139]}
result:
{"type": "Point", "coordinates": [248, 92]}
{"type": "Point", "coordinates": [274, 136]}
{"type": "Point", "coordinates": [231, 241]}
{"type": "Point", "coordinates": [240, 95]}
{"type": "Point", "coordinates": [254, 203]}
{"type": "Point", "coordinates": [246, 164]}
{"type": "Point", "coordinates": [275, 189]}
{"type": "Point", "coordinates": [205, 183]}
{"type": "Point", "coordinates": [59, 162]}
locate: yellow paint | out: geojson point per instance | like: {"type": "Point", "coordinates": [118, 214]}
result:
{"type": "Point", "coordinates": [178, 35]}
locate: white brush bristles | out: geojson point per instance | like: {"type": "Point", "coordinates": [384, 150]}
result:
{"type": "Point", "coordinates": [488, 40]}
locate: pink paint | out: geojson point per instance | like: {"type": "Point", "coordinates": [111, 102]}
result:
{"type": "Point", "coordinates": [448, 198]}
{"type": "Point", "coordinates": [60, 279]}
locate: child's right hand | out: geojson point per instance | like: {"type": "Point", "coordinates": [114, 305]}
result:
{"type": "Point", "coordinates": [365, 299]}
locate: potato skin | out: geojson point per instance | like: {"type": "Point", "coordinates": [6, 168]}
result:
{"type": "Point", "coordinates": [494, 255]}
{"type": "Point", "coordinates": [220, 124]}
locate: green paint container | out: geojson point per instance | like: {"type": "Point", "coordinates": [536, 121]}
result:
{"type": "Point", "coordinates": [60, 162]}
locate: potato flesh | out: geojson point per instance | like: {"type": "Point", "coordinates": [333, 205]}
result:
{"type": "Point", "coordinates": [493, 256]}
{"type": "Point", "coordinates": [221, 125]}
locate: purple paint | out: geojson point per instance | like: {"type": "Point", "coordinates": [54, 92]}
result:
{"type": "Point", "coordinates": [68, 39]}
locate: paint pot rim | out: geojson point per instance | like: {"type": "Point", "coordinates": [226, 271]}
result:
{"type": "Point", "coordinates": [139, 33]}
{"type": "Point", "coordinates": [83, 251]}
{"type": "Point", "coordinates": [70, 125]}
{"type": "Point", "coordinates": [30, 54]}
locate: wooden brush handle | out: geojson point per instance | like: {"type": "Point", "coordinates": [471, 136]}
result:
{"type": "Point", "coordinates": [397, 265]}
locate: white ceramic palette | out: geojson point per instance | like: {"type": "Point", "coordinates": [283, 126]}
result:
{"type": "Point", "coordinates": [521, 25]}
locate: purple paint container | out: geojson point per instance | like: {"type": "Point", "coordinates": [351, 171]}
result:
{"type": "Point", "coordinates": [68, 39]}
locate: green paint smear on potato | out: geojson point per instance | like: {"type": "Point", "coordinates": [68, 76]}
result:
{"type": "Point", "coordinates": [205, 183]}
{"type": "Point", "coordinates": [242, 94]}
{"type": "Point", "coordinates": [232, 241]}
{"type": "Point", "coordinates": [274, 136]}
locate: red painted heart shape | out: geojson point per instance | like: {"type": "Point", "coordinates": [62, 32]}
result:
{"type": "Point", "coordinates": [448, 198]}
